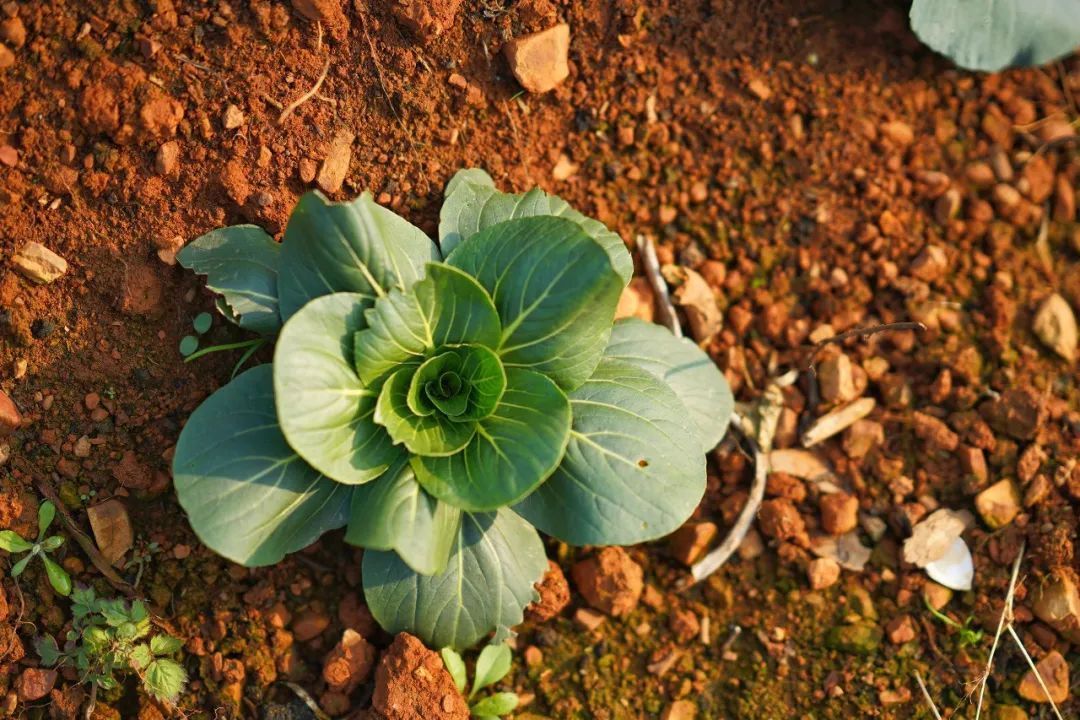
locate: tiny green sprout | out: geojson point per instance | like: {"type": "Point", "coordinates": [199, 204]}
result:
{"type": "Point", "coordinates": [188, 345]}
{"type": "Point", "coordinates": [966, 635]}
{"type": "Point", "coordinates": [492, 665]}
{"type": "Point", "coordinates": [58, 577]}
{"type": "Point", "coordinates": [202, 323]}
{"type": "Point", "coordinates": [110, 638]}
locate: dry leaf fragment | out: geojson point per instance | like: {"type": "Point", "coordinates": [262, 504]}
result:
{"type": "Point", "coordinates": [693, 294]}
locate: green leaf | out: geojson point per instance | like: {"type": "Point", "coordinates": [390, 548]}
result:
{"type": "Point", "coordinates": [433, 434]}
{"type": "Point", "coordinates": [513, 451]}
{"type": "Point", "coordinates": [633, 471]}
{"type": "Point", "coordinates": [446, 307]}
{"type": "Point", "coordinates": [164, 644]}
{"type": "Point", "coordinates": [356, 246]}
{"type": "Point", "coordinates": [165, 679]}
{"type": "Point", "coordinates": [248, 495]}
{"type": "Point", "coordinates": [473, 204]}
{"type": "Point", "coordinates": [47, 650]}
{"type": "Point", "coordinates": [497, 559]}
{"type": "Point", "coordinates": [11, 542]}
{"type": "Point", "coordinates": [325, 412]}
{"type": "Point", "coordinates": [46, 513]}
{"type": "Point", "coordinates": [456, 667]}
{"type": "Point", "coordinates": [202, 323]}
{"type": "Point", "coordinates": [395, 513]}
{"type": "Point", "coordinates": [58, 577]}
{"type": "Point", "coordinates": [496, 705]}
{"type": "Point", "coordinates": [50, 544]}
{"type": "Point", "coordinates": [992, 35]}
{"type": "Point", "coordinates": [241, 263]}
{"type": "Point", "coordinates": [140, 656]}
{"type": "Point", "coordinates": [188, 345]}
{"type": "Point", "coordinates": [17, 568]}
{"type": "Point", "coordinates": [554, 289]}
{"type": "Point", "coordinates": [686, 369]}
{"type": "Point", "coordinates": [491, 667]}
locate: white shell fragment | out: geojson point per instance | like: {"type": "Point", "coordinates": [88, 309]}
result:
{"type": "Point", "coordinates": [935, 545]}
{"type": "Point", "coordinates": [954, 569]}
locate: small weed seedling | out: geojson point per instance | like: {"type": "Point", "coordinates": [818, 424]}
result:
{"type": "Point", "coordinates": [58, 577]}
{"type": "Point", "coordinates": [110, 638]}
{"type": "Point", "coordinates": [189, 344]}
{"type": "Point", "coordinates": [491, 666]}
{"type": "Point", "coordinates": [967, 635]}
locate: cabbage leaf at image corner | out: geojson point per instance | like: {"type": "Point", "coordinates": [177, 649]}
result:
{"type": "Point", "coordinates": [443, 402]}
{"type": "Point", "coordinates": [992, 35]}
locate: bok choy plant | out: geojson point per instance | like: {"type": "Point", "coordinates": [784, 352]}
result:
{"type": "Point", "coordinates": [443, 402]}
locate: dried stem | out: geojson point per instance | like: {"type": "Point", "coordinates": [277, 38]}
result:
{"type": "Point", "coordinates": [291, 107]}
{"type": "Point", "coordinates": [926, 694]}
{"type": "Point", "coordinates": [651, 265]}
{"type": "Point", "coordinates": [1005, 619]}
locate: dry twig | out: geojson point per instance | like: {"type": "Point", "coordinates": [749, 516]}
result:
{"type": "Point", "coordinates": [291, 107]}
{"type": "Point", "coordinates": [651, 265]}
{"type": "Point", "coordinates": [926, 694]}
{"type": "Point", "coordinates": [1005, 619]}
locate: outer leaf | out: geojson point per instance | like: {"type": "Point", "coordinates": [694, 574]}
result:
{"type": "Point", "coordinates": [456, 667]}
{"type": "Point", "coordinates": [447, 307]}
{"type": "Point", "coordinates": [491, 667]}
{"type": "Point", "coordinates": [140, 656]}
{"type": "Point", "coordinates": [634, 469]}
{"type": "Point", "coordinates": [681, 364]}
{"type": "Point", "coordinates": [473, 204]}
{"type": "Point", "coordinates": [497, 559]}
{"type": "Point", "coordinates": [11, 542]}
{"type": "Point", "coordinates": [395, 513]}
{"type": "Point", "coordinates": [46, 513]}
{"type": "Point", "coordinates": [165, 644]}
{"type": "Point", "coordinates": [18, 568]}
{"type": "Point", "coordinates": [496, 705]}
{"type": "Point", "coordinates": [555, 291]}
{"type": "Point", "coordinates": [433, 434]}
{"type": "Point", "coordinates": [356, 246]}
{"type": "Point", "coordinates": [241, 263]}
{"type": "Point", "coordinates": [165, 679]}
{"type": "Point", "coordinates": [514, 449]}
{"type": "Point", "coordinates": [58, 577]}
{"type": "Point", "coordinates": [325, 412]}
{"type": "Point", "coordinates": [47, 650]}
{"type": "Point", "coordinates": [248, 495]}
{"type": "Point", "coordinates": [992, 35]}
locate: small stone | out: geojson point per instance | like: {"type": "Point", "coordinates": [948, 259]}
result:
{"type": "Point", "coordinates": [534, 657]}
{"type": "Point", "coordinates": [39, 263]}
{"type": "Point", "coordinates": [411, 680]}
{"type": "Point", "coordinates": [564, 168]}
{"type": "Point", "coordinates": [839, 513]}
{"type": "Point", "coordinates": [336, 165]}
{"type": "Point", "coordinates": [7, 58]}
{"type": "Point", "coordinates": [931, 264]}
{"type": "Point", "coordinates": [937, 596]}
{"type": "Point", "coordinates": [689, 542]}
{"type": "Point", "coordinates": [349, 663]}
{"type": "Point", "coordinates": [1009, 712]}
{"type": "Point", "coordinates": [935, 432]}
{"type": "Point", "coordinates": [862, 437]}
{"type": "Point", "coordinates": [974, 463]}
{"type": "Point", "coordinates": [1006, 197]}
{"type": "Point", "coordinates": [680, 710]}
{"type": "Point", "coordinates": [1055, 325]}
{"type": "Point", "coordinates": [588, 619]}
{"type": "Point", "coordinates": [901, 629]}
{"type": "Point", "coordinates": [34, 684]}
{"type": "Point", "coordinates": [752, 545]}
{"type": "Point", "coordinates": [167, 158]}
{"type": "Point", "coordinates": [1040, 179]}
{"type": "Point", "coordinates": [309, 624]}
{"type": "Point", "coordinates": [160, 116]}
{"type": "Point", "coordinates": [780, 519]}
{"type": "Point", "coordinates": [327, 12]}
{"type": "Point", "coordinates": [759, 88]}
{"type": "Point", "coordinates": [233, 117]}
{"type": "Point", "coordinates": [900, 133]}
{"type": "Point", "coordinates": [1019, 412]}
{"type": "Point", "coordinates": [947, 207]}
{"type": "Point", "coordinates": [980, 174]}
{"type": "Point", "coordinates": [1064, 200]}
{"type": "Point", "coordinates": [1054, 671]}
{"type": "Point", "coordinates": [112, 529]}
{"type": "Point", "coordinates": [9, 156]}
{"type": "Point", "coordinates": [823, 573]}
{"type": "Point", "coordinates": [684, 624]}
{"type": "Point", "coordinates": [610, 581]}
{"type": "Point", "coordinates": [539, 60]}
{"type": "Point", "coordinates": [1056, 601]}
{"type": "Point", "coordinates": [837, 420]}
{"type": "Point", "coordinates": [836, 379]}
{"type": "Point", "coordinates": [82, 447]}
{"type": "Point", "coordinates": [10, 418]}
{"type": "Point", "coordinates": [998, 504]}
{"type": "Point", "coordinates": [13, 32]}
{"type": "Point", "coordinates": [636, 301]}
{"type": "Point", "coordinates": [307, 169]}
{"type": "Point", "coordinates": [426, 18]}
